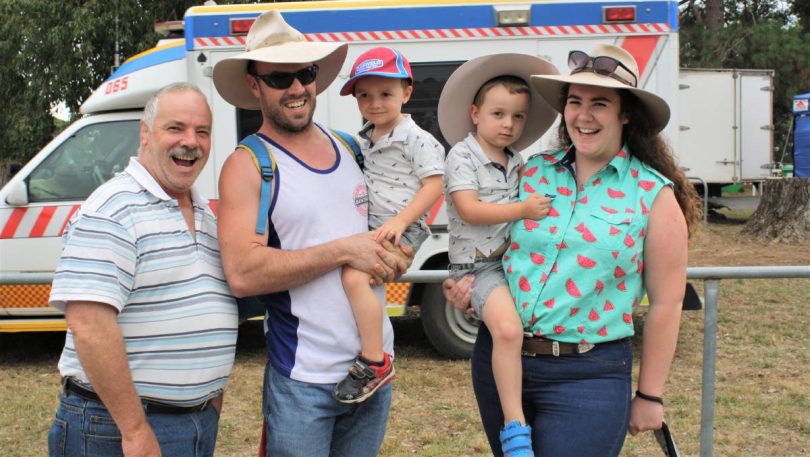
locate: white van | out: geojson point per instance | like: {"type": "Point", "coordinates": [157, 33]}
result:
{"type": "Point", "coordinates": [437, 37]}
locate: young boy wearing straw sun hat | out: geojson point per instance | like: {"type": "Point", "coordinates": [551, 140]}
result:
{"type": "Point", "coordinates": [490, 112]}
{"type": "Point", "coordinates": [620, 224]}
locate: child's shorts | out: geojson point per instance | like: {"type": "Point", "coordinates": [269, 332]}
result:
{"type": "Point", "coordinates": [488, 275]}
{"type": "Point", "coordinates": [414, 235]}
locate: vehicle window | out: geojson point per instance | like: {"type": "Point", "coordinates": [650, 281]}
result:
{"type": "Point", "coordinates": [86, 160]}
{"type": "Point", "coordinates": [429, 79]}
{"type": "Point", "coordinates": [428, 82]}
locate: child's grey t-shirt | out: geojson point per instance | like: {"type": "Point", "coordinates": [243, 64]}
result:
{"type": "Point", "coordinates": [396, 164]}
{"type": "Point", "coordinates": [468, 168]}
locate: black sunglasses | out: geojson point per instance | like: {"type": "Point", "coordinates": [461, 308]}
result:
{"type": "Point", "coordinates": [578, 62]}
{"type": "Point", "coordinates": [283, 79]}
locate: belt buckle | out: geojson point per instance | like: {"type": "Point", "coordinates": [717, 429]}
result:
{"type": "Point", "coordinates": [584, 347]}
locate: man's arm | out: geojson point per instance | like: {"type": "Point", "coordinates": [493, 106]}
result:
{"type": "Point", "coordinates": [253, 268]}
{"type": "Point", "coordinates": [100, 347]}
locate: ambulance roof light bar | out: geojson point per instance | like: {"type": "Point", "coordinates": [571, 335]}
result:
{"type": "Point", "coordinates": [618, 14]}
{"type": "Point", "coordinates": [241, 26]}
{"type": "Point", "coordinates": [170, 29]}
{"type": "Point", "coordinates": [512, 15]}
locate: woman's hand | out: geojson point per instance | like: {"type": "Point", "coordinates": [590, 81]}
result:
{"type": "Point", "coordinates": [459, 293]}
{"type": "Point", "coordinates": [645, 415]}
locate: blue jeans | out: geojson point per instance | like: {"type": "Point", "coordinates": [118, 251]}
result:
{"type": "Point", "coordinates": [85, 428]}
{"type": "Point", "coordinates": [304, 420]}
{"type": "Point", "coordinates": [578, 405]}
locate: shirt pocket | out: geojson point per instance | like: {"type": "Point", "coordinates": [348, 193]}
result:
{"type": "Point", "coordinates": [608, 231]}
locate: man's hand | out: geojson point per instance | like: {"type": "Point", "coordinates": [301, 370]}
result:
{"type": "Point", "coordinates": [395, 261]}
{"type": "Point", "coordinates": [141, 442]}
{"type": "Point", "coordinates": [364, 254]}
{"type": "Point", "coordinates": [459, 293]}
{"type": "Point", "coordinates": [535, 207]}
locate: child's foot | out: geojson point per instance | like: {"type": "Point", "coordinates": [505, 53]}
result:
{"type": "Point", "coordinates": [516, 440]}
{"type": "Point", "coordinates": [363, 380]}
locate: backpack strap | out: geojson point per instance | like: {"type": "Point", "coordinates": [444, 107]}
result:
{"type": "Point", "coordinates": [350, 143]}
{"type": "Point", "coordinates": [264, 161]}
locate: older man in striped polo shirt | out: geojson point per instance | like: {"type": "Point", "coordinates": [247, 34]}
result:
{"type": "Point", "coordinates": [152, 324]}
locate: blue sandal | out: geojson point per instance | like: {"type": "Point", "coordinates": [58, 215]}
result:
{"type": "Point", "coordinates": [516, 440]}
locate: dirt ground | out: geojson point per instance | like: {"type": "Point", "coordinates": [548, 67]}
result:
{"type": "Point", "coordinates": [762, 394]}
{"type": "Point", "coordinates": [722, 244]}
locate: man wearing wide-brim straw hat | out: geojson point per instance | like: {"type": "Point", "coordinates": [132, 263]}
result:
{"type": "Point", "coordinates": [316, 223]}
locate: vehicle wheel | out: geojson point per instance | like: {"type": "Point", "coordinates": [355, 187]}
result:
{"type": "Point", "coordinates": [449, 330]}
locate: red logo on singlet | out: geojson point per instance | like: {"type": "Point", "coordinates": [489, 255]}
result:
{"type": "Point", "coordinates": [361, 199]}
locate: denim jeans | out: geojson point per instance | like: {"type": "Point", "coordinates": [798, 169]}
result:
{"type": "Point", "coordinates": [84, 428]}
{"type": "Point", "coordinates": [304, 420]}
{"type": "Point", "coordinates": [578, 405]}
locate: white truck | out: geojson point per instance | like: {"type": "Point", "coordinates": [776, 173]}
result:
{"type": "Point", "coordinates": [437, 37]}
{"type": "Point", "coordinates": [726, 125]}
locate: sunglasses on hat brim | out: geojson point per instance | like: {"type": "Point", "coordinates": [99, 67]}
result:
{"type": "Point", "coordinates": [579, 61]}
{"type": "Point", "coordinates": [284, 79]}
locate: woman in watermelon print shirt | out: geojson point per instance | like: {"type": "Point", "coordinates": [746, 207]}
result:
{"type": "Point", "coordinates": [618, 228]}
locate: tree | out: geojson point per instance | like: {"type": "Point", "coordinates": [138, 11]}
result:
{"type": "Point", "coordinates": [59, 52]}
{"type": "Point", "coordinates": [761, 34]}
{"type": "Point", "coordinates": [755, 34]}
{"type": "Point", "coordinates": [783, 214]}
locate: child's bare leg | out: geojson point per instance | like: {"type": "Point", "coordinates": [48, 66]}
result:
{"type": "Point", "coordinates": [367, 312]}
{"type": "Point", "coordinates": [504, 324]}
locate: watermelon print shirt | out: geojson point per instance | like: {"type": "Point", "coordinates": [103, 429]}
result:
{"type": "Point", "coordinates": [577, 273]}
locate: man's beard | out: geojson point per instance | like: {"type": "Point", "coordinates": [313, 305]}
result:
{"type": "Point", "coordinates": [274, 114]}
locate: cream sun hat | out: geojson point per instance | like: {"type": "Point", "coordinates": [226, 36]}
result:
{"type": "Point", "coordinates": [460, 89]}
{"type": "Point", "coordinates": [272, 40]}
{"type": "Point", "coordinates": [594, 70]}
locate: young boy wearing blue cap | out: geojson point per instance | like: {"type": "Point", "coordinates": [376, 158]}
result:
{"type": "Point", "coordinates": [403, 165]}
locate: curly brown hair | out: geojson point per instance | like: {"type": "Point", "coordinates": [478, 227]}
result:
{"type": "Point", "coordinates": [651, 148]}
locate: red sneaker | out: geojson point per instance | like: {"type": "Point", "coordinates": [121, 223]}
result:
{"type": "Point", "coordinates": [363, 380]}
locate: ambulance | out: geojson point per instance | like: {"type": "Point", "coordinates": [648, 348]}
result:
{"type": "Point", "coordinates": [436, 36]}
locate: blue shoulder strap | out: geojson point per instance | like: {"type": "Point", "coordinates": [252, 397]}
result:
{"type": "Point", "coordinates": [264, 161]}
{"type": "Point", "coordinates": [267, 165]}
{"type": "Point", "coordinates": [350, 142]}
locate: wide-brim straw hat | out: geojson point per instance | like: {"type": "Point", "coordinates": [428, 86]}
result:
{"type": "Point", "coordinates": [272, 40]}
{"type": "Point", "coordinates": [550, 86]}
{"type": "Point", "coordinates": [460, 89]}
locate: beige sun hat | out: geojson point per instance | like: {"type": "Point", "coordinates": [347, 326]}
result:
{"type": "Point", "coordinates": [272, 40]}
{"type": "Point", "coordinates": [460, 89]}
{"type": "Point", "coordinates": [625, 77]}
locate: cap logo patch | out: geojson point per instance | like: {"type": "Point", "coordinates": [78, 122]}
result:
{"type": "Point", "coordinates": [368, 65]}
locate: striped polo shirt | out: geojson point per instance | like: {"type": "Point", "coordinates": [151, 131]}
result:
{"type": "Point", "coordinates": [577, 273]}
{"type": "Point", "coordinates": [129, 247]}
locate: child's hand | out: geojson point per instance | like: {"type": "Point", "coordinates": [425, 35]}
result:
{"type": "Point", "coordinates": [535, 207]}
{"type": "Point", "coordinates": [392, 231]}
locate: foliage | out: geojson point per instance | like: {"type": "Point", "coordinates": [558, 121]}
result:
{"type": "Point", "coordinates": [757, 34]}
{"type": "Point", "coordinates": [58, 52]}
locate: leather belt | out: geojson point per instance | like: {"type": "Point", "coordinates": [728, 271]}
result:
{"type": "Point", "coordinates": [537, 345]}
{"type": "Point", "coordinates": [69, 386]}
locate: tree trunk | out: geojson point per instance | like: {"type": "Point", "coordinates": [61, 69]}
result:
{"type": "Point", "coordinates": [783, 214]}
{"type": "Point", "coordinates": [714, 15]}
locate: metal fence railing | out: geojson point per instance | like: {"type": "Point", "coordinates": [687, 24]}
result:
{"type": "Point", "coordinates": [711, 277]}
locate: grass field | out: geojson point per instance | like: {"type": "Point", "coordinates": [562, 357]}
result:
{"type": "Point", "coordinates": [763, 394]}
